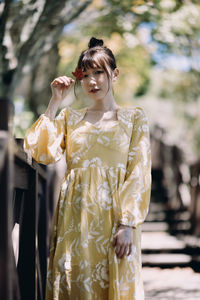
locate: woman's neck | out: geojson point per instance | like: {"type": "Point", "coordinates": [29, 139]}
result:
{"type": "Point", "coordinates": [106, 104]}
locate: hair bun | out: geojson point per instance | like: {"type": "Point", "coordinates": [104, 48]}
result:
{"type": "Point", "coordinates": [95, 42]}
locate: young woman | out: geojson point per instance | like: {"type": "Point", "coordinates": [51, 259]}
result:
{"type": "Point", "coordinates": [95, 251]}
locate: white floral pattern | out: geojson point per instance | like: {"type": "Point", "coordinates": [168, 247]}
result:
{"type": "Point", "coordinates": [101, 274]}
{"type": "Point", "coordinates": [107, 182]}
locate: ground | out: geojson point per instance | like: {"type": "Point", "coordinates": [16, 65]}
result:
{"type": "Point", "coordinates": [171, 284]}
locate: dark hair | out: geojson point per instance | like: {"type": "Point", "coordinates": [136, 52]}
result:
{"type": "Point", "coordinates": [96, 56]}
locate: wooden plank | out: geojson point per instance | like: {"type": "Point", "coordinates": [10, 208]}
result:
{"type": "Point", "coordinates": [4, 136]}
{"type": "Point", "coordinates": [27, 251]}
{"type": "Point", "coordinates": [5, 249]}
{"type": "Point", "coordinates": [22, 169]}
{"type": "Point", "coordinates": [21, 156]}
{"type": "Point", "coordinates": [6, 113]}
{"type": "Point", "coordinates": [42, 235]}
{"type": "Point", "coordinates": [21, 175]}
{"type": "Point", "coordinates": [8, 277]}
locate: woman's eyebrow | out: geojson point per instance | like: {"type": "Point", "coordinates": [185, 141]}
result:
{"type": "Point", "coordinates": [98, 68]}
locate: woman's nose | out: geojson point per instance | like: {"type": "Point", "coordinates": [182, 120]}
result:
{"type": "Point", "coordinates": [92, 80]}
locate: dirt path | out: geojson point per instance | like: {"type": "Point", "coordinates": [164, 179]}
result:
{"type": "Point", "coordinates": [171, 284]}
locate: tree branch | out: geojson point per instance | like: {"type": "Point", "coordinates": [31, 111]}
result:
{"type": "Point", "coordinates": [3, 48]}
{"type": "Point", "coordinates": [45, 34]}
{"type": "Point", "coordinates": [4, 18]}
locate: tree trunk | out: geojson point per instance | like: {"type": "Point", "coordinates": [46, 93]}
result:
{"type": "Point", "coordinates": [28, 32]}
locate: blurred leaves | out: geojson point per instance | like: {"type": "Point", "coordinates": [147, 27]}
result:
{"type": "Point", "coordinates": [182, 86]}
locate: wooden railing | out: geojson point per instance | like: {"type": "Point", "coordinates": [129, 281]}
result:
{"type": "Point", "coordinates": [180, 181]}
{"type": "Point", "coordinates": [24, 218]}
{"type": "Point", "coordinates": [8, 275]}
{"type": "Point", "coordinates": [195, 198]}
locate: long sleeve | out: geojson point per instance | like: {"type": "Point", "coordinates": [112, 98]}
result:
{"type": "Point", "coordinates": [45, 139]}
{"type": "Point", "coordinates": [134, 194]}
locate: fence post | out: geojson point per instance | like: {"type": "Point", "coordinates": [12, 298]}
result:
{"type": "Point", "coordinates": [7, 269]}
{"type": "Point", "coordinates": [28, 235]}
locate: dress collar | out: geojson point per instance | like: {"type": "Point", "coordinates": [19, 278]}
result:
{"type": "Point", "coordinates": [124, 116]}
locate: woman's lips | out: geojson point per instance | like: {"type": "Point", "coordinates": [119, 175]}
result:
{"type": "Point", "coordinates": [94, 90]}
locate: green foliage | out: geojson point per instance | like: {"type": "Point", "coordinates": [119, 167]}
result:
{"type": "Point", "coordinates": [182, 86]}
{"type": "Point", "coordinates": [23, 117]}
{"type": "Point", "coordinates": [143, 88]}
{"type": "Point", "coordinates": [135, 30]}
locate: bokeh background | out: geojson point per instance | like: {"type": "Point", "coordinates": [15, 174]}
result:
{"type": "Point", "coordinates": [156, 44]}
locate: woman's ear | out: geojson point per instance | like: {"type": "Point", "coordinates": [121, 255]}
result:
{"type": "Point", "coordinates": [115, 74]}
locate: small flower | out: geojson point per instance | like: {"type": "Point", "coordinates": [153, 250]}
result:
{"type": "Point", "coordinates": [78, 74]}
{"type": "Point", "coordinates": [101, 274]}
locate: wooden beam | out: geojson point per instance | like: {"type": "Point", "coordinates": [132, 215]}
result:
{"type": "Point", "coordinates": [8, 283]}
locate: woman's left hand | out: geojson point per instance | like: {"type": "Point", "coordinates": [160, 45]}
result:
{"type": "Point", "coordinates": [123, 240]}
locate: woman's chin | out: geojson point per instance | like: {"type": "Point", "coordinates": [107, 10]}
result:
{"type": "Point", "coordinates": [95, 97]}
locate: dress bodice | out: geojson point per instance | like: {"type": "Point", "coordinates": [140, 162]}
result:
{"type": "Point", "coordinates": [86, 143]}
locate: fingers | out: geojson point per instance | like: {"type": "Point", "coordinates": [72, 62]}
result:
{"type": "Point", "coordinates": [114, 241]}
{"type": "Point", "coordinates": [67, 80]}
{"type": "Point", "coordinates": [121, 249]}
{"type": "Point", "coordinates": [62, 81]}
{"type": "Point", "coordinates": [122, 241]}
{"type": "Point", "coordinates": [130, 250]}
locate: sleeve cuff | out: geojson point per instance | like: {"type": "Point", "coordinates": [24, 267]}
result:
{"type": "Point", "coordinates": [127, 220]}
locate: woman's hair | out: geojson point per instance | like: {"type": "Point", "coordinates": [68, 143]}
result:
{"type": "Point", "coordinates": [96, 56]}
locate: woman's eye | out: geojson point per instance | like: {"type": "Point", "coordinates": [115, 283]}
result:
{"type": "Point", "coordinates": [99, 72]}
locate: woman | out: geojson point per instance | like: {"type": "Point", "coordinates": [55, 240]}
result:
{"type": "Point", "coordinates": [95, 250]}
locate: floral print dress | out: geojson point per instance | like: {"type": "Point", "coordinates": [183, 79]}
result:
{"type": "Point", "coordinates": [107, 183]}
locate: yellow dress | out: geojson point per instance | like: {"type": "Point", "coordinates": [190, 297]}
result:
{"type": "Point", "coordinates": [107, 183]}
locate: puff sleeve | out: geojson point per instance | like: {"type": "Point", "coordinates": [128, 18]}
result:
{"type": "Point", "coordinates": [45, 139]}
{"type": "Point", "coordinates": [134, 193]}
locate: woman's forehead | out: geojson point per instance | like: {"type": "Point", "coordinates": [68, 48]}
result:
{"type": "Point", "coordinates": [90, 64]}
{"type": "Point", "coordinates": [92, 68]}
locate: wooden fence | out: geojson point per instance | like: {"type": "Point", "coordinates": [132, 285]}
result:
{"type": "Point", "coordinates": [24, 211]}
{"type": "Point", "coordinates": [180, 181]}
{"type": "Point", "coordinates": [195, 198]}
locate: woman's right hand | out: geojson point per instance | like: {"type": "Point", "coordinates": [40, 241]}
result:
{"type": "Point", "coordinates": [60, 87]}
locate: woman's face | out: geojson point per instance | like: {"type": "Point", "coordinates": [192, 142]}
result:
{"type": "Point", "coordinates": [96, 84]}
